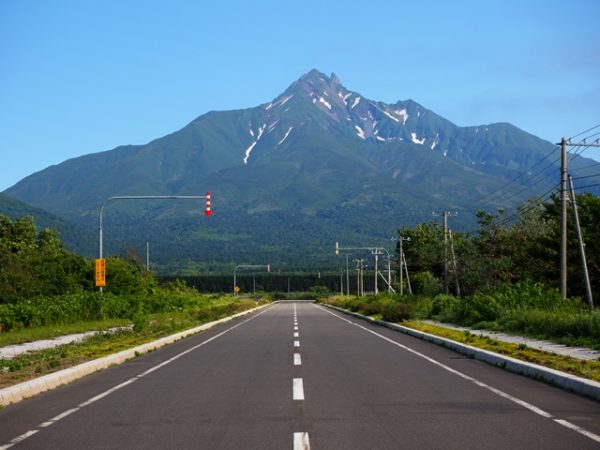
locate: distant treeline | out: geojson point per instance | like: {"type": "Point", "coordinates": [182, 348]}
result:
{"type": "Point", "coordinates": [272, 282]}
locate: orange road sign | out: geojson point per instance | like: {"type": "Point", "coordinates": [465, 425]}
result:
{"type": "Point", "coordinates": [100, 272]}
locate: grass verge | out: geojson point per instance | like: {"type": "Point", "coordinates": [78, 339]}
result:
{"type": "Point", "coordinates": [589, 369]}
{"type": "Point", "coordinates": [23, 335]}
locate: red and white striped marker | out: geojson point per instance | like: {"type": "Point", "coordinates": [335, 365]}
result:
{"type": "Point", "coordinates": [208, 211]}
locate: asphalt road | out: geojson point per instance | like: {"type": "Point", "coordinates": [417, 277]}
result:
{"type": "Point", "coordinates": [339, 383]}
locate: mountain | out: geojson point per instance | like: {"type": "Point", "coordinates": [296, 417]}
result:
{"type": "Point", "coordinates": [318, 164]}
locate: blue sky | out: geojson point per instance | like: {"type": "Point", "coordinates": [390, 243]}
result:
{"type": "Point", "coordinates": [79, 77]}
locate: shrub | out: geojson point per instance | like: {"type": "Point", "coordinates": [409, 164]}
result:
{"type": "Point", "coordinates": [443, 306]}
{"type": "Point", "coordinates": [426, 283]}
{"type": "Point", "coordinates": [395, 312]}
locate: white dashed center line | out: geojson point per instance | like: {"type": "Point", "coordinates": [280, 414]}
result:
{"type": "Point", "coordinates": [301, 441]}
{"type": "Point", "coordinates": [298, 389]}
{"type": "Point", "coordinates": [297, 359]}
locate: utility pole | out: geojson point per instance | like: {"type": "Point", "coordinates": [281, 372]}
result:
{"type": "Point", "coordinates": [357, 277]}
{"type": "Point", "coordinates": [347, 276]}
{"type": "Point", "coordinates": [400, 239]}
{"type": "Point", "coordinates": [147, 256]}
{"type": "Point", "coordinates": [445, 215]}
{"type": "Point", "coordinates": [446, 251]}
{"type": "Point", "coordinates": [407, 277]}
{"type": "Point", "coordinates": [586, 275]}
{"type": "Point", "coordinates": [564, 143]}
{"type": "Point", "coordinates": [374, 251]}
{"type": "Point", "coordinates": [563, 219]}
{"type": "Point", "coordinates": [360, 282]}
{"type": "Point", "coordinates": [454, 268]}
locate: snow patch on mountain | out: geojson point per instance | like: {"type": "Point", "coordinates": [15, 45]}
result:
{"type": "Point", "coordinates": [356, 100]}
{"type": "Point", "coordinates": [436, 141]}
{"type": "Point", "coordinates": [286, 135]}
{"type": "Point", "coordinates": [390, 116]}
{"type": "Point", "coordinates": [402, 113]}
{"type": "Point", "coordinates": [345, 97]}
{"type": "Point", "coordinates": [325, 102]}
{"type": "Point", "coordinates": [359, 132]}
{"type": "Point", "coordinates": [251, 146]}
{"type": "Point", "coordinates": [279, 102]}
{"type": "Point", "coordinates": [413, 137]}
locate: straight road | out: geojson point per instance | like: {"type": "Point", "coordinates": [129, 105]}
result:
{"type": "Point", "coordinates": [297, 375]}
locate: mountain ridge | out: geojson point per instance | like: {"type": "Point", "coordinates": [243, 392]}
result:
{"type": "Point", "coordinates": [318, 154]}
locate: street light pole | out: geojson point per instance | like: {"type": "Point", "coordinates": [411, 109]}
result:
{"type": "Point", "coordinates": [247, 266]}
{"type": "Point", "coordinates": [146, 197]}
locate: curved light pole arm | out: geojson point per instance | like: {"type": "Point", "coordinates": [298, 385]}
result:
{"type": "Point", "coordinates": [143, 197]}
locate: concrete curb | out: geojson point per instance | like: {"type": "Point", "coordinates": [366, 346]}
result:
{"type": "Point", "coordinates": [18, 392]}
{"type": "Point", "coordinates": [572, 383]}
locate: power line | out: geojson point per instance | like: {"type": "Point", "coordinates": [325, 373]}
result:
{"type": "Point", "coordinates": [587, 167]}
{"type": "Point", "coordinates": [523, 211]}
{"type": "Point", "coordinates": [583, 132]}
{"type": "Point", "coordinates": [535, 180]}
{"type": "Point", "coordinates": [517, 177]}
{"type": "Point", "coordinates": [587, 176]}
{"type": "Point", "coordinates": [588, 186]}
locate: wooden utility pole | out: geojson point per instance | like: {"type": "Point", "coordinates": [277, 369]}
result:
{"type": "Point", "coordinates": [563, 219]}
{"type": "Point", "coordinates": [445, 215]}
{"type": "Point", "coordinates": [563, 208]}
{"type": "Point", "coordinates": [586, 275]}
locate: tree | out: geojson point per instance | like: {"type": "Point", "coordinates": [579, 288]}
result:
{"type": "Point", "coordinates": [33, 263]}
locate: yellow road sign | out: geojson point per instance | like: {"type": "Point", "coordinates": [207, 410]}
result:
{"type": "Point", "coordinates": [100, 272]}
{"type": "Point", "coordinates": [237, 289]}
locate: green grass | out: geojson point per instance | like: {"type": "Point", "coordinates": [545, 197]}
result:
{"type": "Point", "coordinates": [23, 335]}
{"type": "Point", "coordinates": [589, 369]}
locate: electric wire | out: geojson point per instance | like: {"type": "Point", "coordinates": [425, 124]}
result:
{"type": "Point", "coordinates": [478, 200]}
{"type": "Point", "coordinates": [588, 186]}
{"type": "Point", "coordinates": [524, 210]}
{"type": "Point", "coordinates": [587, 176]}
{"type": "Point", "coordinates": [583, 132]}
{"type": "Point", "coordinates": [536, 178]}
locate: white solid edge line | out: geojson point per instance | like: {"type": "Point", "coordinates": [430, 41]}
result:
{"type": "Point", "coordinates": [121, 385]}
{"type": "Point", "coordinates": [298, 389]}
{"type": "Point", "coordinates": [18, 439]}
{"type": "Point", "coordinates": [498, 392]}
{"type": "Point", "coordinates": [301, 441]}
{"type": "Point", "coordinates": [583, 431]}
{"type": "Point", "coordinates": [297, 359]}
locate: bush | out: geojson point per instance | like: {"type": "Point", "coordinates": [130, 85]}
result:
{"type": "Point", "coordinates": [443, 307]}
{"type": "Point", "coordinates": [476, 308]}
{"type": "Point", "coordinates": [395, 312]}
{"type": "Point", "coordinates": [426, 283]}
